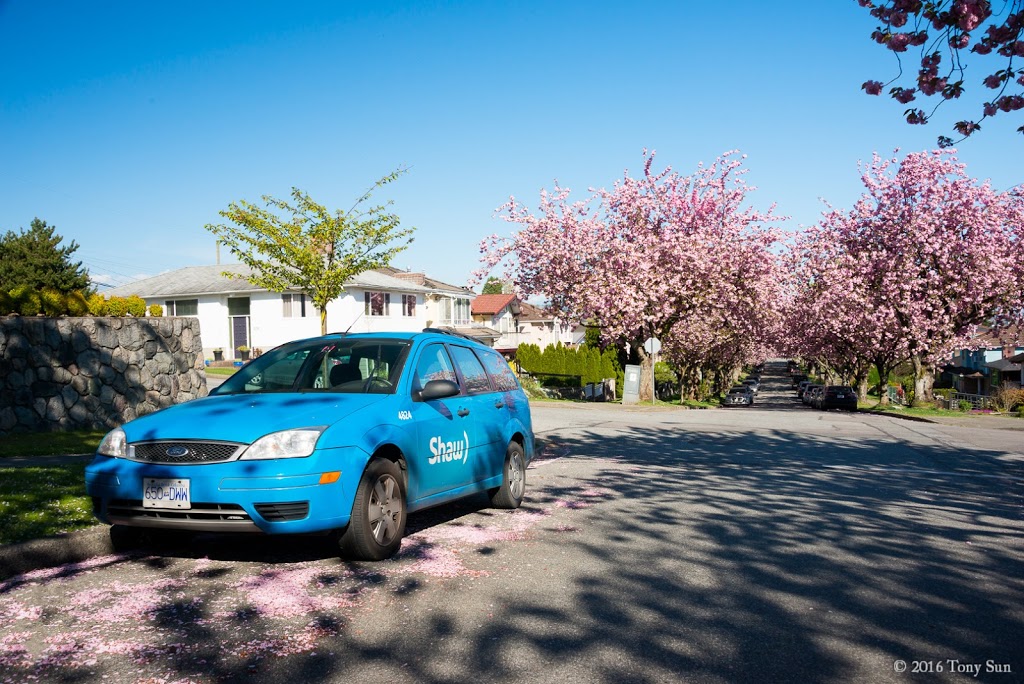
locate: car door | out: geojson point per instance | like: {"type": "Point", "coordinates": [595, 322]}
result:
{"type": "Point", "coordinates": [481, 400]}
{"type": "Point", "coordinates": [444, 429]}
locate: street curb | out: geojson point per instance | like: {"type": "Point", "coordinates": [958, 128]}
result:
{"type": "Point", "coordinates": [71, 547]}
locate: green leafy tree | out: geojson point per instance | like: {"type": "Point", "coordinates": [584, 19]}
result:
{"type": "Point", "coordinates": [35, 258]}
{"type": "Point", "coordinates": [493, 286]}
{"type": "Point", "coordinates": [315, 251]}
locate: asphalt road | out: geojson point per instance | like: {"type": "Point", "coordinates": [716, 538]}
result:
{"type": "Point", "coordinates": [762, 544]}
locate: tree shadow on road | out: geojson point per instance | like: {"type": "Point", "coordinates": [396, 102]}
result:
{"type": "Point", "coordinates": [691, 556]}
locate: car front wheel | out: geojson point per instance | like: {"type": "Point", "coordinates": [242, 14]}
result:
{"type": "Point", "coordinates": [513, 486]}
{"type": "Point", "coordinates": [378, 514]}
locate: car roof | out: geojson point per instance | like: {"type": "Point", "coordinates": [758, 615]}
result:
{"type": "Point", "coordinates": [435, 333]}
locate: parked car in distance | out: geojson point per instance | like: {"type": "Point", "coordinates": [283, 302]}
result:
{"type": "Point", "coordinates": [753, 383]}
{"type": "Point", "coordinates": [340, 434]}
{"type": "Point", "coordinates": [839, 397]}
{"type": "Point", "coordinates": [797, 378]}
{"type": "Point", "coordinates": [808, 395]}
{"type": "Point", "coordinates": [801, 388]}
{"type": "Point", "coordinates": [740, 395]}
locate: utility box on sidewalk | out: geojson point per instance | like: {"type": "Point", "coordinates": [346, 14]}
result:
{"type": "Point", "coordinates": [631, 386]}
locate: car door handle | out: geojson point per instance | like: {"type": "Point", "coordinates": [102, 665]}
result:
{"type": "Point", "coordinates": [499, 404]}
{"type": "Point", "coordinates": [463, 412]}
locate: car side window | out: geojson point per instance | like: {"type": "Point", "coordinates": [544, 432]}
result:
{"type": "Point", "coordinates": [472, 370]}
{"type": "Point", "coordinates": [433, 364]}
{"type": "Point", "coordinates": [501, 373]}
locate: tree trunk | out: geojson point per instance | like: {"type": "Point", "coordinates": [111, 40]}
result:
{"type": "Point", "coordinates": [646, 373]}
{"type": "Point", "coordinates": [924, 380]}
{"type": "Point", "coordinates": [883, 384]}
{"type": "Point", "coordinates": [323, 321]}
{"type": "Point", "coordinates": [860, 383]}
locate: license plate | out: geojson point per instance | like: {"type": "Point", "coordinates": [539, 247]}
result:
{"type": "Point", "coordinates": [166, 493]}
{"type": "Point", "coordinates": [840, 396]}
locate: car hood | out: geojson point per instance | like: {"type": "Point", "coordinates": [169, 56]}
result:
{"type": "Point", "coordinates": [247, 417]}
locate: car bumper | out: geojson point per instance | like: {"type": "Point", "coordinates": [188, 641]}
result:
{"type": "Point", "coordinates": [848, 405]}
{"type": "Point", "coordinates": [281, 496]}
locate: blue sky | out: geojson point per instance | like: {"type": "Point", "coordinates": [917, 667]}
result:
{"type": "Point", "coordinates": [128, 126]}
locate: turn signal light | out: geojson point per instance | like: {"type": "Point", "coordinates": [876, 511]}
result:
{"type": "Point", "coordinates": [331, 477]}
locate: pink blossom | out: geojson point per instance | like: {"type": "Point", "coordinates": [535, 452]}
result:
{"type": "Point", "coordinates": [993, 81]}
{"type": "Point", "coordinates": [872, 87]}
{"type": "Point", "coordinates": [898, 42]}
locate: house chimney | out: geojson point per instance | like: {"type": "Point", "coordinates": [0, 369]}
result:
{"type": "Point", "coordinates": [415, 278]}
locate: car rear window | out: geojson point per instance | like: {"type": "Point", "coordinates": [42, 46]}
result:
{"type": "Point", "coordinates": [472, 370]}
{"type": "Point", "coordinates": [501, 373]}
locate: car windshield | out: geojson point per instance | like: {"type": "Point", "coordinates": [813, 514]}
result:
{"type": "Point", "coordinates": [738, 390]}
{"type": "Point", "coordinates": [366, 366]}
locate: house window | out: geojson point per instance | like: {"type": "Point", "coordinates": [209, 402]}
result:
{"type": "Point", "coordinates": [182, 307]}
{"type": "Point", "coordinates": [462, 311]}
{"type": "Point", "coordinates": [294, 305]}
{"type": "Point", "coordinates": [377, 303]}
{"type": "Point", "coordinates": [408, 305]}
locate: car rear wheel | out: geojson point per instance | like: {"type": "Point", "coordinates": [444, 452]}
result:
{"type": "Point", "coordinates": [513, 486]}
{"type": "Point", "coordinates": [378, 514]}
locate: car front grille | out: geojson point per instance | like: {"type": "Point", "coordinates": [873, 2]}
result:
{"type": "Point", "coordinates": [210, 517]}
{"type": "Point", "coordinates": [185, 452]}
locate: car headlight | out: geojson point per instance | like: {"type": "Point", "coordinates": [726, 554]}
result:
{"type": "Point", "coordinates": [114, 444]}
{"type": "Point", "coordinates": [286, 444]}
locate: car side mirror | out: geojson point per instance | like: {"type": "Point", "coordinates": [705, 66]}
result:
{"type": "Point", "coordinates": [439, 389]}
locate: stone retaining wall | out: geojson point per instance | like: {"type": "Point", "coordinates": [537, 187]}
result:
{"type": "Point", "coordinates": [73, 373]}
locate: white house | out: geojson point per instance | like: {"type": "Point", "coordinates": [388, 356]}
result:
{"type": "Point", "coordinates": [520, 322]}
{"type": "Point", "coordinates": [234, 313]}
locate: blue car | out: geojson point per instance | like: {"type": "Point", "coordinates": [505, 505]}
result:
{"type": "Point", "coordinates": [344, 434]}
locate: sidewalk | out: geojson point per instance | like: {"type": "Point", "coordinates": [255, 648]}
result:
{"type": "Point", "coordinates": [989, 422]}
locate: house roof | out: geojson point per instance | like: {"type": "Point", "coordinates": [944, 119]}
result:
{"type": "Point", "coordinates": [987, 338]}
{"type": "Point", "coordinates": [426, 281]}
{"type": "Point", "coordinates": [1004, 365]}
{"type": "Point", "coordinates": [529, 312]}
{"type": "Point", "coordinates": [1019, 358]}
{"type": "Point", "coordinates": [490, 304]}
{"type": "Point", "coordinates": [205, 280]}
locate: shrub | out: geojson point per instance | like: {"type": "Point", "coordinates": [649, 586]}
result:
{"type": "Point", "coordinates": [77, 304]}
{"type": "Point", "coordinates": [1009, 399]}
{"type": "Point", "coordinates": [18, 294]}
{"type": "Point", "coordinates": [54, 302]}
{"type": "Point", "coordinates": [156, 311]}
{"type": "Point", "coordinates": [117, 306]}
{"type": "Point", "coordinates": [136, 306]}
{"type": "Point", "coordinates": [6, 303]}
{"type": "Point", "coordinates": [25, 300]}
{"type": "Point", "coordinates": [98, 305]}
{"type": "Point", "coordinates": [965, 405]}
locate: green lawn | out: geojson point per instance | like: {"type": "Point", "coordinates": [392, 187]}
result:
{"type": "Point", "coordinates": [922, 412]}
{"type": "Point", "coordinates": [40, 502]}
{"type": "Point", "coordinates": [49, 443]}
{"type": "Point", "coordinates": [220, 371]}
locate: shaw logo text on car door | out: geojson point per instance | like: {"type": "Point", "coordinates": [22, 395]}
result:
{"type": "Point", "coordinates": [448, 451]}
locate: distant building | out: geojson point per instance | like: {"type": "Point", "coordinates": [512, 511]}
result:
{"type": "Point", "coordinates": [233, 313]}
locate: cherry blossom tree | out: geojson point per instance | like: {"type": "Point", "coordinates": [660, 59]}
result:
{"type": "Point", "coordinates": [926, 254]}
{"type": "Point", "coordinates": [833, 319]}
{"type": "Point", "coordinates": [664, 255]}
{"type": "Point", "coordinates": [951, 29]}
